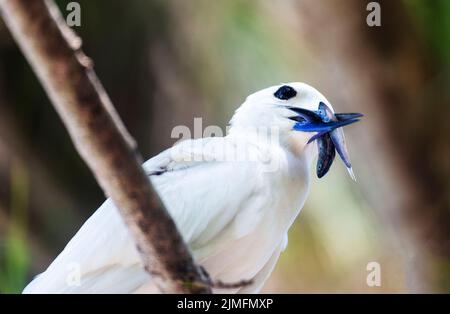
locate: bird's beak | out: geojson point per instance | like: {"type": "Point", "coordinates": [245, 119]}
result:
{"type": "Point", "coordinates": [329, 137]}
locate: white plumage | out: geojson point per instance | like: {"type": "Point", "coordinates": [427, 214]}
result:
{"type": "Point", "coordinates": [234, 213]}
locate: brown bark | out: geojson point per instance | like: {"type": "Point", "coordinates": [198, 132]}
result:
{"type": "Point", "coordinates": [54, 53]}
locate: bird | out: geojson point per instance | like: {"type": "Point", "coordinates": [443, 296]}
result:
{"type": "Point", "coordinates": [233, 198]}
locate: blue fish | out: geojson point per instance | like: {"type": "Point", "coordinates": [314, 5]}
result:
{"type": "Point", "coordinates": [330, 137]}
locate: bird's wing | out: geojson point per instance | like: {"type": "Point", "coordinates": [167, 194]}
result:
{"type": "Point", "coordinates": [202, 192]}
{"type": "Point", "coordinates": [203, 184]}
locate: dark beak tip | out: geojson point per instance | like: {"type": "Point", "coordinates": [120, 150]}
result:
{"type": "Point", "coordinates": [348, 116]}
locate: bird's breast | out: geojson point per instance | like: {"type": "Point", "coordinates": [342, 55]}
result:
{"type": "Point", "coordinates": [238, 253]}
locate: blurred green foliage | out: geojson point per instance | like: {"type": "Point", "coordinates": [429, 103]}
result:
{"type": "Point", "coordinates": [14, 250]}
{"type": "Point", "coordinates": [432, 18]}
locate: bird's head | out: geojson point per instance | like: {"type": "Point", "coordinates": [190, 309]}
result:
{"type": "Point", "coordinates": [302, 116]}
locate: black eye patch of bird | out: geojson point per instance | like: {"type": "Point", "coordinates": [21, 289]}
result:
{"type": "Point", "coordinates": [285, 92]}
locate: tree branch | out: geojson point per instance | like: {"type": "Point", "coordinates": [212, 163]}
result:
{"type": "Point", "coordinates": [54, 52]}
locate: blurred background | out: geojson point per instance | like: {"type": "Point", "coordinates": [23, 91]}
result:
{"type": "Point", "coordinates": [165, 62]}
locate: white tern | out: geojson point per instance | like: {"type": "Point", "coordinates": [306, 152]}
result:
{"type": "Point", "coordinates": [233, 198]}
